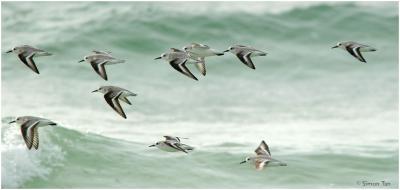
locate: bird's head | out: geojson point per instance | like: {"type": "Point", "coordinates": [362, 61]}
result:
{"type": "Point", "coordinates": [84, 59]}
{"type": "Point", "coordinates": [339, 44]}
{"type": "Point", "coordinates": [18, 120]}
{"type": "Point", "coordinates": [102, 89]}
{"type": "Point", "coordinates": [230, 49]}
{"type": "Point", "coordinates": [15, 49]}
{"type": "Point", "coordinates": [246, 160]}
{"type": "Point", "coordinates": [153, 145]}
{"type": "Point", "coordinates": [163, 56]}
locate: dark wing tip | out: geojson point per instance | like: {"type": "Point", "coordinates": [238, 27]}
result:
{"type": "Point", "coordinates": [32, 65]}
{"type": "Point", "coordinates": [100, 70]}
{"type": "Point", "coordinates": [247, 61]}
{"type": "Point", "coordinates": [115, 106]}
{"type": "Point", "coordinates": [182, 68]}
{"type": "Point", "coordinates": [105, 76]}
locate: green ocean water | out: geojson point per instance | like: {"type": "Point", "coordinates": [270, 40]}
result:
{"type": "Point", "coordinates": [331, 118]}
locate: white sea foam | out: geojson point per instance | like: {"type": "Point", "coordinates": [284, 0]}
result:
{"type": "Point", "coordinates": [20, 165]}
{"type": "Point", "coordinates": [254, 7]}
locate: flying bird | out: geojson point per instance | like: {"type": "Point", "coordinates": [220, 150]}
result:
{"type": "Point", "coordinates": [112, 95]}
{"type": "Point", "coordinates": [29, 129]}
{"type": "Point", "coordinates": [172, 144]}
{"type": "Point", "coordinates": [198, 52]}
{"type": "Point", "coordinates": [245, 53]}
{"type": "Point", "coordinates": [178, 59]}
{"type": "Point", "coordinates": [263, 158]}
{"type": "Point", "coordinates": [26, 54]}
{"type": "Point", "coordinates": [355, 49]}
{"type": "Point", "coordinates": [98, 59]}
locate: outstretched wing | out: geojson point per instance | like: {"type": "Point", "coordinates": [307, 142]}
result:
{"type": "Point", "coordinates": [112, 100]}
{"type": "Point", "coordinates": [175, 145]}
{"type": "Point", "coordinates": [102, 52]}
{"type": "Point", "coordinates": [180, 66]}
{"type": "Point", "coordinates": [124, 99]}
{"type": "Point", "coordinates": [24, 130]}
{"type": "Point", "coordinates": [244, 57]}
{"type": "Point", "coordinates": [355, 52]}
{"type": "Point", "coordinates": [171, 138]}
{"type": "Point", "coordinates": [201, 66]}
{"type": "Point", "coordinates": [263, 149]}
{"type": "Point", "coordinates": [35, 137]}
{"type": "Point", "coordinates": [359, 55]}
{"type": "Point", "coordinates": [187, 147]}
{"type": "Point", "coordinates": [99, 68]}
{"type": "Point", "coordinates": [28, 61]}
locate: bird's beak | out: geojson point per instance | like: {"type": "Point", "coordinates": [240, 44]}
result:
{"type": "Point", "coordinates": [335, 46]}
{"type": "Point", "coordinates": [9, 51]}
{"type": "Point", "coordinates": [157, 58]}
{"type": "Point", "coordinates": [81, 61]}
{"type": "Point", "coordinates": [226, 50]}
{"type": "Point", "coordinates": [11, 122]}
{"type": "Point", "coordinates": [152, 145]}
{"type": "Point", "coordinates": [242, 162]}
{"type": "Point", "coordinates": [95, 91]}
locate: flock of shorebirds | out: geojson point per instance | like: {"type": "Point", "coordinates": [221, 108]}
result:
{"type": "Point", "coordinates": [193, 53]}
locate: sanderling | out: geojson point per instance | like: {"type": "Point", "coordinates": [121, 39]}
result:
{"type": "Point", "coordinates": [31, 123]}
{"type": "Point", "coordinates": [355, 49]}
{"type": "Point", "coordinates": [26, 53]}
{"type": "Point", "coordinates": [177, 59]}
{"type": "Point", "coordinates": [172, 144]}
{"type": "Point", "coordinates": [244, 54]}
{"type": "Point", "coordinates": [199, 52]}
{"type": "Point", "coordinates": [113, 94]}
{"type": "Point", "coordinates": [100, 58]}
{"type": "Point", "coordinates": [263, 158]}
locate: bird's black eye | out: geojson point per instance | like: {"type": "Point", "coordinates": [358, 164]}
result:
{"type": "Point", "coordinates": [231, 48]}
{"type": "Point", "coordinates": [14, 49]}
{"type": "Point", "coordinates": [157, 143]}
